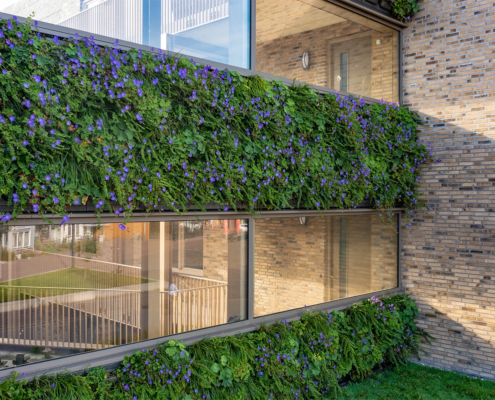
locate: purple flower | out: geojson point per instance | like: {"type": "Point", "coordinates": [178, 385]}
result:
{"type": "Point", "coordinates": [122, 227]}
{"type": "Point", "coordinates": [55, 199]}
{"type": "Point", "coordinates": [36, 207]}
{"type": "Point", "coordinates": [12, 118]}
{"type": "Point", "coordinates": [139, 117]}
{"type": "Point", "coordinates": [26, 85]}
{"type": "Point", "coordinates": [65, 219]}
{"type": "Point", "coordinates": [25, 142]}
{"type": "Point", "coordinates": [37, 78]}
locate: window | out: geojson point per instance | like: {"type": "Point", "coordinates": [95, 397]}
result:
{"type": "Point", "coordinates": [188, 239]}
{"type": "Point", "coordinates": [345, 51]}
{"type": "Point", "coordinates": [79, 288]}
{"type": "Point", "coordinates": [306, 261]}
{"type": "Point", "coordinates": [216, 30]}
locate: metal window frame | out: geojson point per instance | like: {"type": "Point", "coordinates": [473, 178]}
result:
{"type": "Point", "coordinates": [64, 32]}
{"type": "Point", "coordinates": [111, 358]}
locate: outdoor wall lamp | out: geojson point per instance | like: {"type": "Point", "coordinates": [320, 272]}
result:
{"type": "Point", "coordinates": [305, 60]}
{"type": "Point", "coordinates": [303, 220]}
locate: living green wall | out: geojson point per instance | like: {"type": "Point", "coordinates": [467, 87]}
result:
{"type": "Point", "coordinates": [131, 130]}
{"type": "Point", "coordinates": [301, 359]}
{"type": "Point", "coordinates": [404, 10]}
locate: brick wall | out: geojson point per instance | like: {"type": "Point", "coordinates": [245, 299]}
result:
{"type": "Point", "coordinates": [215, 251]}
{"type": "Point", "coordinates": [383, 254]}
{"type": "Point", "coordinates": [289, 261]}
{"type": "Point", "coordinates": [298, 265]}
{"type": "Point", "coordinates": [281, 57]}
{"type": "Point", "coordinates": [449, 252]}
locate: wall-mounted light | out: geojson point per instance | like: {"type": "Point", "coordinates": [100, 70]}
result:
{"type": "Point", "coordinates": [303, 220]}
{"type": "Point", "coordinates": [378, 42]}
{"type": "Point", "coordinates": [305, 60]}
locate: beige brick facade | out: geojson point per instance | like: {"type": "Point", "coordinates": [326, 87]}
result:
{"type": "Point", "coordinates": [281, 57]}
{"type": "Point", "coordinates": [448, 254]}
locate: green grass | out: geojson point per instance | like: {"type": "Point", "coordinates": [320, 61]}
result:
{"type": "Point", "coordinates": [412, 381]}
{"type": "Point", "coordinates": [75, 278]}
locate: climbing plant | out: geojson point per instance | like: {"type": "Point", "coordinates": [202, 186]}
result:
{"type": "Point", "coordinates": [129, 129]}
{"type": "Point", "coordinates": [404, 10]}
{"type": "Point", "coordinates": [301, 359]}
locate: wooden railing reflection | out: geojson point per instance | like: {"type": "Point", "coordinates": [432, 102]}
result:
{"type": "Point", "coordinates": [69, 317]}
{"type": "Point", "coordinates": [195, 303]}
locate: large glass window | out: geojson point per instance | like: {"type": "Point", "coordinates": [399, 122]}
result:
{"type": "Point", "coordinates": [317, 42]}
{"type": "Point", "coordinates": [310, 260]}
{"type": "Point", "coordinates": [216, 30]}
{"type": "Point", "coordinates": [75, 288]}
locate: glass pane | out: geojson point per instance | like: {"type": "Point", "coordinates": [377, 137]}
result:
{"type": "Point", "coordinates": [345, 51]}
{"type": "Point", "coordinates": [216, 30]}
{"type": "Point", "coordinates": [77, 288]}
{"type": "Point", "coordinates": [306, 261]}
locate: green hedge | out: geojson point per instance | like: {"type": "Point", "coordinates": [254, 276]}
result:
{"type": "Point", "coordinates": [302, 359]}
{"type": "Point", "coordinates": [135, 130]}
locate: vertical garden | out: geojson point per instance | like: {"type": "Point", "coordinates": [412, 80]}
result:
{"type": "Point", "coordinates": [305, 359]}
{"type": "Point", "coordinates": [132, 130]}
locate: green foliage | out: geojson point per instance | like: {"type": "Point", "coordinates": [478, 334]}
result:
{"type": "Point", "coordinates": [404, 10]}
{"type": "Point", "coordinates": [131, 130]}
{"type": "Point", "coordinates": [413, 381]}
{"type": "Point", "coordinates": [302, 359]}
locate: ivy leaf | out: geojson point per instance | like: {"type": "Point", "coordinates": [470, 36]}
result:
{"type": "Point", "coordinates": [215, 368]}
{"type": "Point", "coordinates": [171, 351]}
{"type": "Point", "coordinates": [226, 377]}
{"type": "Point", "coordinates": [41, 60]}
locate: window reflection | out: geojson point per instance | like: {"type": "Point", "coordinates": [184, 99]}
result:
{"type": "Point", "coordinates": [216, 30]}
{"type": "Point", "coordinates": [75, 288]}
{"type": "Point", "coordinates": [303, 262]}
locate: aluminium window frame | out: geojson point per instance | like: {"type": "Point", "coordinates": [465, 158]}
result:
{"type": "Point", "coordinates": [112, 357]}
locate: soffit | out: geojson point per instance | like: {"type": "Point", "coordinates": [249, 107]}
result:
{"type": "Point", "coordinates": [279, 18]}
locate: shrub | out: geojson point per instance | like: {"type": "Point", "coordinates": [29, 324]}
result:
{"type": "Point", "coordinates": [301, 359]}
{"type": "Point", "coordinates": [134, 130]}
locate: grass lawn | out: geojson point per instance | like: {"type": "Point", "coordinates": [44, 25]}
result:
{"type": "Point", "coordinates": [412, 381]}
{"type": "Point", "coordinates": [77, 278]}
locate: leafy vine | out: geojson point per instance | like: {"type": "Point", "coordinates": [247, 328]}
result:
{"type": "Point", "coordinates": [132, 130]}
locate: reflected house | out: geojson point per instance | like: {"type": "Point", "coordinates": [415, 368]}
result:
{"type": "Point", "coordinates": [109, 287]}
{"type": "Point", "coordinates": [81, 287]}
